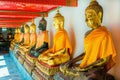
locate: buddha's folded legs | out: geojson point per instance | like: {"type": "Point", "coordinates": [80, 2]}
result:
{"type": "Point", "coordinates": [37, 53]}
{"type": "Point", "coordinates": [56, 60]}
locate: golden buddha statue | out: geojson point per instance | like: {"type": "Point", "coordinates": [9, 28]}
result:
{"type": "Point", "coordinates": [26, 37]}
{"type": "Point", "coordinates": [1, 37]}
{"type": "Point", "coordinates": [21, 47]}
{"type": "Point", "coordinates": [25, 40]}
{"type": "Point", "coordinates": [17, 38]}
{"type": "Point", "coordinates": [15, 35]}
{"type": "Point", "coordinates": [9, 36]}
{"type": "Point", "coordinates": [33, 37]}
{"type": "Point", "coordinates": [61, 51]}
{"type": "Point", "coordinates": [98, 46]}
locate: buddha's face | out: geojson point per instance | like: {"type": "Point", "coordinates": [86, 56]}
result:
{"type": "Point", "coordinates": [31, 29]}
{"type": "Point", "coordinates": [92, 19]}
{"type": "Point", "coordinates": [56, 23]}
{"type": "Point", "coordinates": [42, 27]}
{"type": "Point", "coordinates": [26, 29]}
{"type": "Point", "coordinates": [18, 31]}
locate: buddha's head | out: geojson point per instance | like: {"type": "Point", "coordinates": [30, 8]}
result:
{"type": "Point", "coordinates": [18, 30]}
{"type": "Point", "coordinates": [26, 28]}
{"type": "Point", "coordinates": [1, 36]}
{"type": "Point", "coordinates": [42, 24]}
{"type": "Point", "coordinates": [22, 29]}
{"type": "Point", "coordinates": [32, 28]}
{"type": "Point", "coordinates": [94, 14]}
{"type": "Point", "coordinates": [58, 21]}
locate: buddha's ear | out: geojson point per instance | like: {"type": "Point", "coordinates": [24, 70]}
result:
{"type": "Point", "coordinates": [100, 16]}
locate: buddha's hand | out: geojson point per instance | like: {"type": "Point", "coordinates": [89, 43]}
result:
{"type": "Point", "coordinates": [21, 44]}
{"type": "Point", "coordinates": [27, 47]}
{"type": "Point", "coordinates": [45, 56]}
{"type": "Point", "coordinates": [83, 69]}
{"type": "Point", "coordinates": [61, 51]}
{"type": "Point", "coordinates": [72, 72]}
{"type": "Point", "coordinates": [101, 62]}
{"type": "Point", "coordinates": [51, 54]}
{"type": "Point", "coordinates": [65, 69]}
{"type": "Point", "coordinates": [65, 66]}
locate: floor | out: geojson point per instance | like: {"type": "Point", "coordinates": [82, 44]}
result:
{"type": "Point", "coordinates": [8, 69]}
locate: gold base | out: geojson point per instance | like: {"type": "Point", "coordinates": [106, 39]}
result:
{"type": "Point", "coordinates": [39, 75]}
{"type": "Point", "coordinates": [45, 68]}
{"type": "Point", "coordinates": [28, 67]}
{"type": "Point", "coordinates": [31, 59]}
{"type": "Point", "coordinates": [21, 59]}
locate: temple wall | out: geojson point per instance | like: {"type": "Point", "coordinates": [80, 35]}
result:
{"type": "Point", "coordinates": [76, 26]}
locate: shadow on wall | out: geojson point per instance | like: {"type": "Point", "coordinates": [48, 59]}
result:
{"type": "Point", "coordinates": [115, 30]}
{"type": "Point", "coordinates": [72, 36]}
{"type": "Point", "coordinates": [51, 37]}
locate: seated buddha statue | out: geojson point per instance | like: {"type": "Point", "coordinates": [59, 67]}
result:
{"type": "Point", "coordinates": [9, 36]}
{"type": "Point", "coordinates": [61, 51]}
{"type": "Point", "coordinates": [15, 35]}
{"type": "Point", "coordinates": [42, 41]}
{"type": "Point", "coordinates": [21, 47]}
{"type": "Point", "coordinates": [17, 38]}
{"type": "Point", "coordinates": [98, 46]}
{"type": "Point", "coordinates": [26, 38]}
{"type": "Point", "coordinates": [33, 37]}
{"type": "Point", "coordinates": [1, 37]}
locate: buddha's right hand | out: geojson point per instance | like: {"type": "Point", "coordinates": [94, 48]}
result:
{"type": "Point", "coordinates": [83, 69]}
{"type": "Point", "coordinates": [44, 56]}
{"type": "Point", "coordinates": [65, 69]}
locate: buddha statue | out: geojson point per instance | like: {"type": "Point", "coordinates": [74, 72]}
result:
{"type": "Point", "coordinates": [15, 35]}
{"type": "Point", "coordinates": [17, 38]}
{"type": "Point", "coordinates": [26, 37]}
{"type": "Point", "coordinates": [1, 37]}
{"type": "Point", "coordinates": [9, 36]}
{"type": "Point", "coordinates": [99, 50]}
{"type": "Point", "coordinates": [33, 37]}
{"type": "Point", "coordinates": [42, 41]}
{"type": "Point", "coordinates": [23, 44]}
{"type": "Point", "coordinates": [61, 51]}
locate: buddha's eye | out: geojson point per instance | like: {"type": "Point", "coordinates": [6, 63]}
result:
{"type": "Point", "coordinates": [86, 20]}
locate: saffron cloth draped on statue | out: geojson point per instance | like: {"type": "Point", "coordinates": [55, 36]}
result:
{"type": "Point", "coordinates": [61, 41]}
{"type": "Point", "coordinates": [98, 44]}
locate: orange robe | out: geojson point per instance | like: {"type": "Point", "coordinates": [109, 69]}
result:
{"type": "Point", "coordinates": [61, 41]}
{"type": "Point", "coordinates": [15, 36]}
{"type": "Point", "coordinates": [26, 37]}
{"type": "Point", "coordinates": [98, 44]}
{"type": "Point", "coordinates": [19, 37]}
{"type": "Point", "coordinates": [33, 38]}
{"type": "Point", "coordinates": [41, 38]}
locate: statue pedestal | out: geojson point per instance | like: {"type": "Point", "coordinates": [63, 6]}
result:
{"type": "Point", "coordinates": [39, 75]}
{"type": "Point", "coordinates": [44, 71]}
{"type": "Point", "coordinates": [29, 66]}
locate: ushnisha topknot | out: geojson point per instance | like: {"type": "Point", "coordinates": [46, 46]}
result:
{"type": "Point", "coordinates": [43, 21]}
{"type": "Point", "coordinates": [59, 16]}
